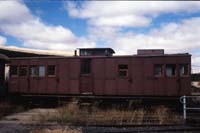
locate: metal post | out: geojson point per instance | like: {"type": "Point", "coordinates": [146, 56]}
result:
{"type": "Point", "coordinates": [184, 108]}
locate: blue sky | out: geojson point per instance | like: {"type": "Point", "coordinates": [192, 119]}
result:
{"type": "Point", "coordinates": [123, 26]}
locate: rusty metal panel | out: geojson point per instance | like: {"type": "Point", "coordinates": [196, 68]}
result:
{"type": "Point", "coordinates": [23, 80]}
{"type": "Point", "coordinates": [148, 78]}
{"type": "Point", "coordinates": [52, 84]}
{"type": "Point", "coordinates": [110, 88]}
{"type": "Point", "coordinates": [110, 77]}
{"type": "Point", "coordinates": [74, 87]}
{"type": "Point", "coordinates": [159, 86]}
{"type": "Point", "coordinates": [104, 77]}
{"type": "Point", "coordinates": [98, 70]}
{"type": "Point", "coordinates": [110, 68]}
{"type": "Point", "coordinates": [42, 85]}
{"type": "Point", "coordinates": [63, 78]}
{"type": "Point", "coordinates": [137, 75]}
{"type": "Point", "coordinates": [74, 75]}
{"type": "Point", "coordinates": [42, 81]}
{"type": "Point", "coordinates": [123, 83]}
{"type": "Point", "coordinates": [13, 83]}
{"type": "Point", "coordinates": [86, 84]}
{"type": "Point", "coordinates": [33, 81]}
{"type": "Point", "coordinates": [74, 68]}
{"type": "Point", "coordinates": [185, 86]}
{"type": "Point", "coordinates": [99, 86]}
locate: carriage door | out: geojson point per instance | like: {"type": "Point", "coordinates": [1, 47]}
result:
{"type": "Point", "coordinates": [86, 77]}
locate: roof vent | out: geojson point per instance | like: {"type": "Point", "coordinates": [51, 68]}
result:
{"type": "Point", "coordinates": [150, 52]}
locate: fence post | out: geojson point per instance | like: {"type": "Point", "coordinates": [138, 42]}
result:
{"type": "Point", "coordinates": [184, 108]}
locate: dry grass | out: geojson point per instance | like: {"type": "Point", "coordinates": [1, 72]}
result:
{"type": "Point", "coordinates": [165, 116]}
{"type": "Point", "coordinates": [73, 115]}
{"type": "Point", "coordinates": [7, 108]}
{"type": "Point", "coordinates": [66, 130]}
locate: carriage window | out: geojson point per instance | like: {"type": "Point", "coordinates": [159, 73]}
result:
{"type": "Point", "coordinates": [183, 69]}
{"type": "Point", "coordinates": [22, 71]}
{"type": "Point", "coordinates": [51, 70]}
{"type": "Point", "coordinates": [158, 70]}
{"type": "Point", "coordinates": [85, 66]}
{"type": "Point", "coordinates": [170, 70]}
{"type": "Point", "coordinates": [41, 71]}
{"type": "Point", "coordinates": [13, 71]}
{"type": "Point", "coordinates": [123, 70]}
{"type": "Point", "coordinates": [33, 71]}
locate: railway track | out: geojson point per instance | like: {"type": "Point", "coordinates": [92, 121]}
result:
{"type": "Point", "coordinates": [141, 128]}
{"type": "Point", "coordinates": [100, 129]}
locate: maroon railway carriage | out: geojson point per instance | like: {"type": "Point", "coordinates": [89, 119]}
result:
{"type": "Point", "coordinates": [96, 72]}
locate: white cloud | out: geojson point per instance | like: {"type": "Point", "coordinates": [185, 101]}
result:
{"type": "Point", "coordinates": [127, 13]}
{"type": "Point", "coordinates": [196, 64]}
{"type": "Point", "coordinates": [14, 12]}
{"type": "Point", "coordinates": [103, 33]}
{"type": "Point", "coordinates": [119, 21]}
{"type": "Point", "coordinates": [16, 20]}
{"type": "Point", "coordinates": [2, 40]}
{"type": "Point", "coordinates": [173, 37]}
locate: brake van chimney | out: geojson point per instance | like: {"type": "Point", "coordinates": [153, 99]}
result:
{"type": "Point", "coordinates": [75, 52]}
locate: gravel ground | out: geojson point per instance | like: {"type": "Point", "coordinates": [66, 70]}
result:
{"type": "Point", "coordinates": [19, 128]}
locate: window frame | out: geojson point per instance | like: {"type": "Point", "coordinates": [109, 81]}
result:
{"type": "Point", "coordinates": [49, 75]}
{"type": "Point", "coordinates": [31, 71]}
{"type": "Point", "coordinates": [172, 76]}
{"type": "Point", "coordinates": [15, 75]}
{"type": "Point", "coordinates": [86, 67]}
{"type": "Point", "coordinates": [26, 67]}
{"type": "Point", "coordinates": [162, 70]}
{"type": "Point", "coordinates": [44, 71]}
{"type": "Point", "coordinates": [188, 70]}
{"type": "Point", "coordinates": [122, 70]}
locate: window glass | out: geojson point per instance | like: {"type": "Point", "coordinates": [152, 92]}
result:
{"type": "Point", "coordinates": [41, 71]}
{"type": "Point", "coordinates": [158, 69]}
{"type": "Point", "coordinates": [14, 71]}
{"type": "Point", "coordinates": [33, 71]}
{"type": "Point", "coordinates": [183, 69]}
{"type": "Point", "coordinates": [123, 70]}
{"type": "Point", "coordinates": [170, 70]}
{"type": "Point", "coordinates": [51, 70]}
{"type": "Point", "coordinates": [85, 66]}
{"type": "Point", "coordinates": [22, 71]}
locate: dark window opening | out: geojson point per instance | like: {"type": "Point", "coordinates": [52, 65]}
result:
{"type": "Point", "coordinates": [14, 71]}
{"type": "Point", "coordinates": [33, 71]}
{"type": "Point", "coordinates": [51, 70]}
{"type": "Point", "coordinates": [158, 70]}
{"type": "Point", "coordinates": [183, 69]}
{"type": "Point", "coordinates": [123, 70]}
{"type": "Point", "coordinates": [170, 70]}
{"type": "Point", "coordinates": [22, 71]}
{"type": "Point", "coordinates": [122, 66]}
{"type": "Point", "coordinates": [86, 66]}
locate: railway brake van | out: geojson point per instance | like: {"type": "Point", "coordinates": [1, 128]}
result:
{"type": "Point", "coordinates": [97, 72]}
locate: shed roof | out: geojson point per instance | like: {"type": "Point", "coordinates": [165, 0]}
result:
{"type": "Point", "coordinates": [12, 52]}
{"type": "Point", "coordinates": [3, 57]}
